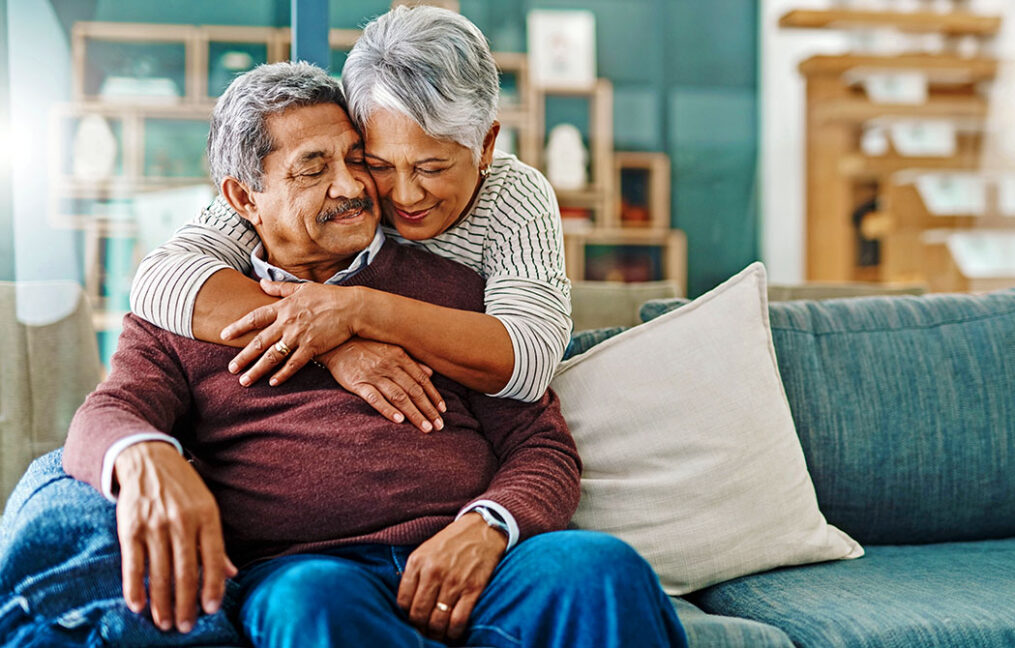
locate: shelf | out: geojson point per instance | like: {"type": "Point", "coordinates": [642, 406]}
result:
{"type": "Point", "coordinates": [954, 24]}
{"type": "Point", "coordinates": [935, 66]}
{"type": "Point", "coordinates": [862, 110]}
{"type": "Point", "coordinates": [627, 236]}
{"type": "Point", "coordinates": [642, 181]}
{"type": "Point", "coordinates": [590, 198]}
{"type": "Point", "coordinates": [671, 254]}
{"type": "Point", "coordinates": [863, 167]}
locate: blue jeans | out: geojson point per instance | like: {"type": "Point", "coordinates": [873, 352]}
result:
{"type": "Point", "coordinates": [60, 582]}
{"type": "Point", "coordinates": [556, 590]}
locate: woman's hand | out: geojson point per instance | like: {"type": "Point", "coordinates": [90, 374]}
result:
{"type": "Point", "coordinates": [309, 321]}
{"type": "Point", "coordinates": [389, 380]}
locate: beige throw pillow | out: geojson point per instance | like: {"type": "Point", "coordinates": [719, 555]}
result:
{"type": "Point", "coordinates": [690, 452]}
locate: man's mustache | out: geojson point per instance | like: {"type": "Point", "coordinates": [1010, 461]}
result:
{"type": "Point", "coordinates": [344, 206]}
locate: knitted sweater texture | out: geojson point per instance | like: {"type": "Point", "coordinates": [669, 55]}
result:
{"type": "Point", "coordinates": [307, 465]}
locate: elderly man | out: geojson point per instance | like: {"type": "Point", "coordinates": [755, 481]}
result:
{"type": "Point", "coordinates": [348, 529]}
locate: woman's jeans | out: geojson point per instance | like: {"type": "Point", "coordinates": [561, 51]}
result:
{"type": "Point", "coordinates": [563, 590]}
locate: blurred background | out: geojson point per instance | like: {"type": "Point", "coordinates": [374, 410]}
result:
{"type": "Point", "coordinates": [853, 145]}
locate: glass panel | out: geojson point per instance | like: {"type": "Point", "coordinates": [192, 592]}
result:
{"type": "Point", "coordinates": [116, 263]}
{"type": "Point", "coordinates": [117, 70]}
{"type": "Point", "coordinates": [174, 148]}
{"type": "Point", "coordinates": [228, 60]}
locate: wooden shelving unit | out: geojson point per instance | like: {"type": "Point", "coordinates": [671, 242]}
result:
{"type": "Point", "coordinates": [658, 245]}
{"type": "Point", "coordinates": [953, 24]}
{"type": "Point", "coordinates": [841, 178]}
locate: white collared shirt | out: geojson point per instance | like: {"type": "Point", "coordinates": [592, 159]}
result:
{"type": "Point", "coordinates": [264, 270]}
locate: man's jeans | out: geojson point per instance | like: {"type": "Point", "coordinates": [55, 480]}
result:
{"type": "Point", "coordinates": [60, 582]}
{"type": "Point", "coordinates": [561, 590]}
{"type": "Point", "coordinates": [60, 586]}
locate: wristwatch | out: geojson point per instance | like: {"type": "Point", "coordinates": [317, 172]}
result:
{"type": "Point", "coordinates": [493, 519]}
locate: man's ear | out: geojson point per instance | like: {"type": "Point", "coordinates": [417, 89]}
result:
{"type": "Point", "coordinates": [241, 198]}
{"type": "Point", "coordinates": [486, 159]}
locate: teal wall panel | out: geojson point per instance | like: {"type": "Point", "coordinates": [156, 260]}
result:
{"type": "Point", "coordinates": [502, 22]}
{"type": "Point", "coordinates": [712, 43]}
{"type": "Point", "coordinates": [713, 143]}
{"type": "Point", "coordinates": [344, 14]}
{"type": "Point", "coordinates": [637, 125]}
{"type": "Point", "coordinates": [702, 115]}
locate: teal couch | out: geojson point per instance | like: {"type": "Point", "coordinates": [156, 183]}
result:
{"type": "Point", "coordinates": [905, 409]}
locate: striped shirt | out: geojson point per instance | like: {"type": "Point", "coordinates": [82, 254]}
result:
{"type": "Point", "coordinates": [511, 237]}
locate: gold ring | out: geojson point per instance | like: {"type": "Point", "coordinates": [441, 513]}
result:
{"type": "Point", "coordinates": [282, 348]}
{"type": "Point", "coordinates": [443, 607]}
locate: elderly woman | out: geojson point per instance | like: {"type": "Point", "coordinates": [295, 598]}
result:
{"type": "Point", "coordinates": [422, 88]}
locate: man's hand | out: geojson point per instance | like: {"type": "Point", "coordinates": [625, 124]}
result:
{"type": "Point", "coordinates": [389, 380]}
{"type": "Point", "coordinates": [166, 515]}
{"type": "Point", "coordinates": [452, 568]}
{"type": "Point", "coordinates": [310, 320]}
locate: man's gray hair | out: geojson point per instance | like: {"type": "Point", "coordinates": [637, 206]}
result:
{"type": "Point", "coordinates": [429, 64]}
{"type": "Point", "coordinates": [238, 140]}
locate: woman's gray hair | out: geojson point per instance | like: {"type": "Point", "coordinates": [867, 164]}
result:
{"type": "Point", "coordinates": [238, 140]}
{"type": "Point", "coordinates": [429, 64]}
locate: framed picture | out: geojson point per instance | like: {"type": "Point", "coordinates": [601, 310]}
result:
{"type": "Point", "coordinates": [562, 48]}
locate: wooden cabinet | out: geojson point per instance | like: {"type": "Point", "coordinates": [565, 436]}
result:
{"type": "Point", "coordinates": [856, 198]}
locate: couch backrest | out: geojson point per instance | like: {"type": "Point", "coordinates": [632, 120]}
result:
{"type": "Point", "coordinates": [905, 408]}
{"type": "Point", "coordinates": [49, 362]}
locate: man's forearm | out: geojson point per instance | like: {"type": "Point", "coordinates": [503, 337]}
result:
{"type": "Point", "coordinates": [227, 296]}
{"type": "Point", "coordinates": [169, 526]}
{"type": "Point", "coordinates": [471, 348]}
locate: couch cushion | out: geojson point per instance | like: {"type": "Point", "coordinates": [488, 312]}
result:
{"type": "Point", "coordinates": [688, 444]}
{"type": "Point", "coordinates": [715, 631]}
{"type": "Point", "coordinates": [939, 595]}
{"type": "Point", "coordinates": [49, 362]}
{"type": "Point", "coordinates": [582, 341]}
{"type": "Point", "coordinates": [905, 407]}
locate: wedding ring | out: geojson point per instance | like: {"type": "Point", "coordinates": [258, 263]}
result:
{"type": "Point", "coordinates": [443, 607]}
{"type": "Point", "coordinates": [282, 348]}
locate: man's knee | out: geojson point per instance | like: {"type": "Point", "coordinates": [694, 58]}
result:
{"type": "Point", "coordinates": [309, 587]}
{"type": "Point", "coordinates": [584, 556]}
{"type": "Point", "coordinates": [310, 602]}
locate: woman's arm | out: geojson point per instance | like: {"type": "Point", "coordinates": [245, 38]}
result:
{"type": "Point", "coordinates": [510, 351]}
{"type": "Point", "coordinates": [471, 348]}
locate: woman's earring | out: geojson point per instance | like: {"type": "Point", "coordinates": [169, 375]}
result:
{"type": "Point", "coordinates": [484, 171]}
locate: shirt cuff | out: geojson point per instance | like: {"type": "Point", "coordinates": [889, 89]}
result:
{"type": "Point", "coordinates": [109, 459]}
{"type": "Point", "coordinates": [513, 532]}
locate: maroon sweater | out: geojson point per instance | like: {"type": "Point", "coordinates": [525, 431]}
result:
{"type": "Point", "coordinates": [307, 465]}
